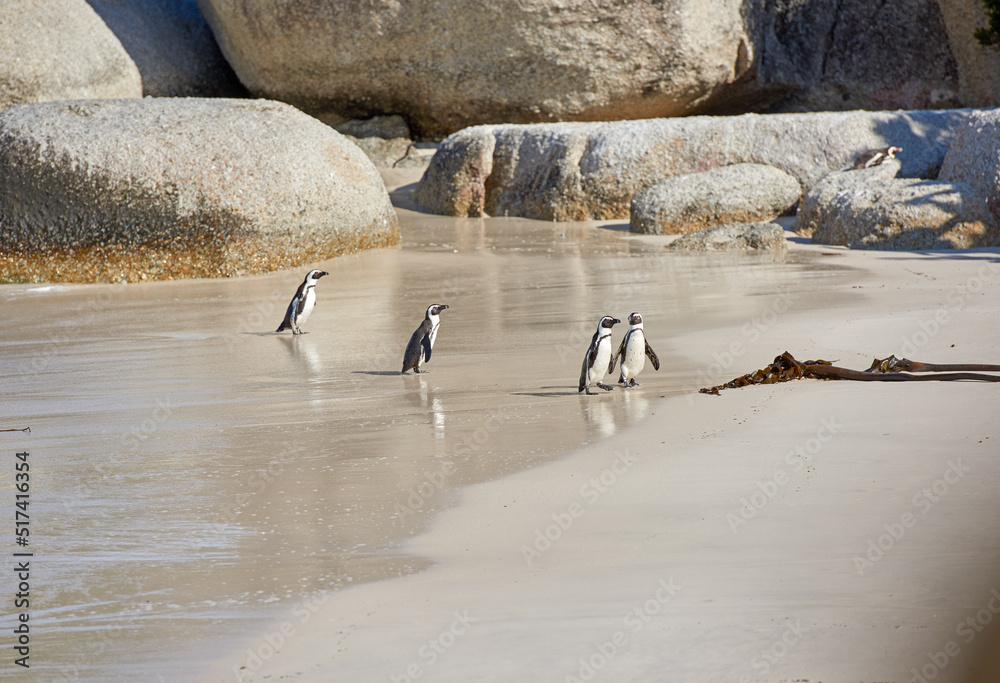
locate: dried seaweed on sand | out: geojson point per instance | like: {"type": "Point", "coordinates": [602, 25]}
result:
{"type": "Point", "coordinates": [785, 368]}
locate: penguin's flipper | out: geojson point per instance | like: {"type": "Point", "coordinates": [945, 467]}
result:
{"type": "Point", "coordinates": [652, 357]}
{"type": "Point", "coordinates": [619, 352]}
{"type": "Point", "coordinates": [426, 343]}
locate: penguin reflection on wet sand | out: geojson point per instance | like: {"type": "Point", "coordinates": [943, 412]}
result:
{"type": "Point", "coordinates": [598, 356]}
{"type": "Point", "coordinates": [302, 303]}
{"type": "Point", "coordinates": [633, 352]}
{"type": "Point", "coordinates": [419, 349]}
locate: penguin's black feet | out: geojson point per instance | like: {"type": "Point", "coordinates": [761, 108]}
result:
{"type": "Point", "coordinates": [605, 386]}
{"type": "Point", "coordinates": [633, 383]}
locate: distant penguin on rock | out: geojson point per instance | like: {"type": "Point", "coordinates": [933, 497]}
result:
{"type": "Point", "coordinates": [874, 157]}
{"type": "Point", "coordinates": [419, 349]}
{"type": "Point", "coordinates": [302, 303]}
{"type": "Point", "coordinates": [598, 356]}
{"type": "Point", "coordinates": [633, 352]}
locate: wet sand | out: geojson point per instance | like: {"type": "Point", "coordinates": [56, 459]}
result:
{"type": "Point", "coordinates": [217, 502]}
{"type": "Point", "coordinates": [197, 476]}
{"type": "Point", "coordinates": [820, 531]}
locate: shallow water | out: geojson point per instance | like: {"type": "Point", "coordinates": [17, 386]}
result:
{"type": "Point", "coordinates": [194, 473]}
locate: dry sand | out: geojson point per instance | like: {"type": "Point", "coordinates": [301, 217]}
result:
{"type": "Point", "coordinates": [208, 492]}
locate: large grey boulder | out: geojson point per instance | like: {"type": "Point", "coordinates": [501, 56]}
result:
{"type": "Point", "coordinates": [165, 188]}
{"type": "Point", "coordinates": [978, 67]}
{"type": "Point", "coordinates": [974, 155]}
{"type": "Point", "coordinates": [60, 50]}
{"type": "Point", "coordinates": [756, 236]}
{"type": "Point", "coordinates": [387, 141]}
{"type": "Point", "coordinates": [454, 183]}
{"type": "Point", "coordinates": [585, 171]}
{"type": "Point", "coordinates": [172, 46]}
{"type": "Point", "coordinates": [387, 127]}
{"type": "Point", "coordinates": [743, 193]}
{"type": "Point", "coordinates": [817, 200]}
{"type": "Point", "coordinates": [856, 54]}
{"type": "Point", "coordinates": [447, 64]}
{"type": "Point", "coordinates": [908, 214]}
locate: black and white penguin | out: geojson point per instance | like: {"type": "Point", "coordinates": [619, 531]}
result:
{"type": "Point", "coordinates": [598, 355]}
{"type": "Point", "coordinates": [874, 157]}
{"type": "Point", "coordinates": [419, 349]}
{"type": "Point", "coordinates": [302, 303]}
{"type": "Point", "coordinates": [633, 351]}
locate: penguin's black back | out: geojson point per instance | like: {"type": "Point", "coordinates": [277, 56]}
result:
{"type": "Point", "coordinates": [420, 343]}
{"type": "Point", "coordinates": [293, 308]}
{"type": "Point", "coordinates": [588, 360]}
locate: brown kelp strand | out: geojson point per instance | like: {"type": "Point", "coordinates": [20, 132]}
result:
{"type": "Point", "coordinates": [785, 368]}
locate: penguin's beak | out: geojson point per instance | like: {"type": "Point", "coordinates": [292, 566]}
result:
{"type": "Point", "coordinates": [321, 274]}
{"type": "Point", "coordinates": [615, 321]}
{"type": "Point", "coordinates": [443, 306]}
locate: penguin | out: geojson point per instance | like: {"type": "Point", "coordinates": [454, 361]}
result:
{"type": "Point", "coordinates": [419, 349]}
{"type": "Point", "coordinates": [874, 157]}
{"type": "Point", "coordinates": [302, 303]}
{"type": "Point", "coordinates": [598, 355]}
{"type": "Point", "coordinates": [633, 351]}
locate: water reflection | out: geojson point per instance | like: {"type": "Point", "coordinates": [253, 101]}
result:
{"type": "Point", "coordinates": [598, 414]}
{"type": "Point", "coordinates": [285, 501]}
{"type": "Point", "coordinates": [303, 352]}
{"type": "Point", "coordinates": [606, 413]}
{"type": "Point", "coordinates": [635, 405]}
{"type": "Point", "coordinates": [428, 401]}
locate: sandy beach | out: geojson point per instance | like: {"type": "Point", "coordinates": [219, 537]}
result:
{"type": "Point", "coordinates": [219, 503]}
{"type": "Point", "coordinates": [813, 531]}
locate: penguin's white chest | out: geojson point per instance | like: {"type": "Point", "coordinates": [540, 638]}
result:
{"type": "Point", "coordinates": [434, 331]}
{"type": "Point", "coordinates": [634, 358]}
{"type": "Point", "coordinates": [601, 359]}
{"type": "Point", "coordinates": [307, 305]}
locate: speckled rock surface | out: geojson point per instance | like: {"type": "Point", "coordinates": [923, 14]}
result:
{"type": "Point", "coordinates": [908, 214]}
{"type": "Point", "coordinates": [813, 205]}
{"type": "Point", "coordinates": [858, 54]}
{"type": "Point", "coordinates": [447, 64]}
{"type": "Point", "coordinates": [734, 237]}
{"type": "Point", "coordinates": [974, 155]}
{"type": "Point", "coordinates": [978, 68]}
{"type": "Point", "coordinates": [162, 188]}
{"type": "Point", "coordinates": [172, 46]}
{"type": "Point", "coordinates": [60, 50]}
{"type": "Point", "coordinates": [454, 183]}
{"type": "Point", "coordinates": [588, 171]}
{"type": "Point", "coordinates": [738, 193]}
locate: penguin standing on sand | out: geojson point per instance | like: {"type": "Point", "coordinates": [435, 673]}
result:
{"type": "Point", "coordinates": [598, 355]}
{"type": "Point", "coordinates": [419, 349]}
{"type": "Point", "coordinates": [874, 157]}
{"type": "Point", "coordinates": [302, 303]}
{"type": "Point", "coordinates": [633, 351]}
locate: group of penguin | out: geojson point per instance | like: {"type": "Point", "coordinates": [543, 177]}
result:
{"type": "Point", "coordinates": [633, 350]}
{"type": "Point", "coordinates": [418, 350]}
